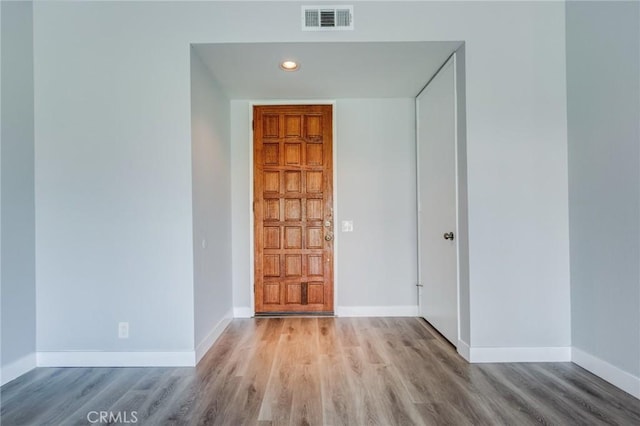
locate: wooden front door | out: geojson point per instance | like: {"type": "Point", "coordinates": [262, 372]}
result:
{"type": "Point", "coordinates": [293, 208]}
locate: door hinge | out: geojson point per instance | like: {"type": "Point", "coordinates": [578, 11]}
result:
{"type": "Point", "coordinates": [253, 124]}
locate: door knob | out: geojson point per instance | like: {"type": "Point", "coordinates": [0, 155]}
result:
{"type": "Point", "coordinates": [448, 236]}
{"type": "Point", "coordinates": [328, 236]}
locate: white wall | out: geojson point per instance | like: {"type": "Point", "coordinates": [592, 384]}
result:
{"type": "Point", "coordinates": [517, 175]}
{"type": "Point", "coordinates": [17, 192]}
{"type": "Point", "coordinates": [112, 83]}
{"type": "Point", "coordinates": [113, 179]}
{"type": "Point", "coordinates": [376, 189]}
{"type": "Point", "coordinates": [241, 207]}
{"type": "Point", "coordinates": [464, 292]}
{"type": "Point", "coordinates": [375, 171]}
{"type": "Point", "coordinates": [211, 169]}
{"type": "Point", "coordinates": [603, 82]}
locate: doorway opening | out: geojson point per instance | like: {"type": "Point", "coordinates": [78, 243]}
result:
{"type": "Point", "coordinates": [375, 270]}
{"type": "Point", "coordinates": [293, 209]}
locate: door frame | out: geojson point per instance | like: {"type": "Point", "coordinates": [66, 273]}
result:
{"type": "Point", "coordinates": [336, 239]}
{"type": "Point", "coordinates": [453, 59]}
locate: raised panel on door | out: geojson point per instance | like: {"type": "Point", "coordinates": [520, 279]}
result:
{"type": "Point", "coordinates": [293, 199]}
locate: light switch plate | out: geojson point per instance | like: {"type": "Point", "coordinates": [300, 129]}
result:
{"type": "Point", "coordinates": [347, 226]}
{"type": "Point", "coordinates": [123, 330]}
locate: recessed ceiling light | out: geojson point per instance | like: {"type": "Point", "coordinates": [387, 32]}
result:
{"type": "Point", "coordinates": [289, 66]}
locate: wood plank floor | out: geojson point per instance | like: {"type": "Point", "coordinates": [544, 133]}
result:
{"type": "Point", "coordinates": [322, 371]}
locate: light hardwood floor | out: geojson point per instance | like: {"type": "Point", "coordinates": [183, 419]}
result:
{"type": "Point", "coordinates": [331, 371]}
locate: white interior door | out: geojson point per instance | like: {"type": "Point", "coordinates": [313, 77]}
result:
{"type": "Point", "coordinates": [438, 264]}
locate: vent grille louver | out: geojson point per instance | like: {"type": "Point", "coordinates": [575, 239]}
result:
{"type": "Point", "coordinates": [343, 17]}
{"type": "Point", "coordinates": [327, 18]}
{"type": "Point", "coordinates": [311, 18]}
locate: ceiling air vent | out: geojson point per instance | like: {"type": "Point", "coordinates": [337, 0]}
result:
{"type": "Point", "coordinates": [327, 18]}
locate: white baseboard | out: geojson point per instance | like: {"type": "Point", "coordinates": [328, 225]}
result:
{"type": "Point", "coordinates": [550, 354]}
{"type": "Point", "coordinates": [242, 312]}
{"type": "Point", "coordinates": [351, 311]}
{"type": "Point", "coordinates": [464, 350]}
{"type": "Point", "coordinates": [612, 374]}
{"type": "Point", "coordinates": [377, 311]}
{"type": "Point", "coordinates": [211, 338]}
{"type": "Point", "coordinates": [17, 368]}
{"type": "Point", "coordinates": [116, 359]}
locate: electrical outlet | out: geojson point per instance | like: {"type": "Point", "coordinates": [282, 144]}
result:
{"type": "Point", "coordinates": [123, 330]}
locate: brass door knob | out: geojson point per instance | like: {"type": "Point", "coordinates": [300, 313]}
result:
{"type": "Point", "coordinates": [329, 236]}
